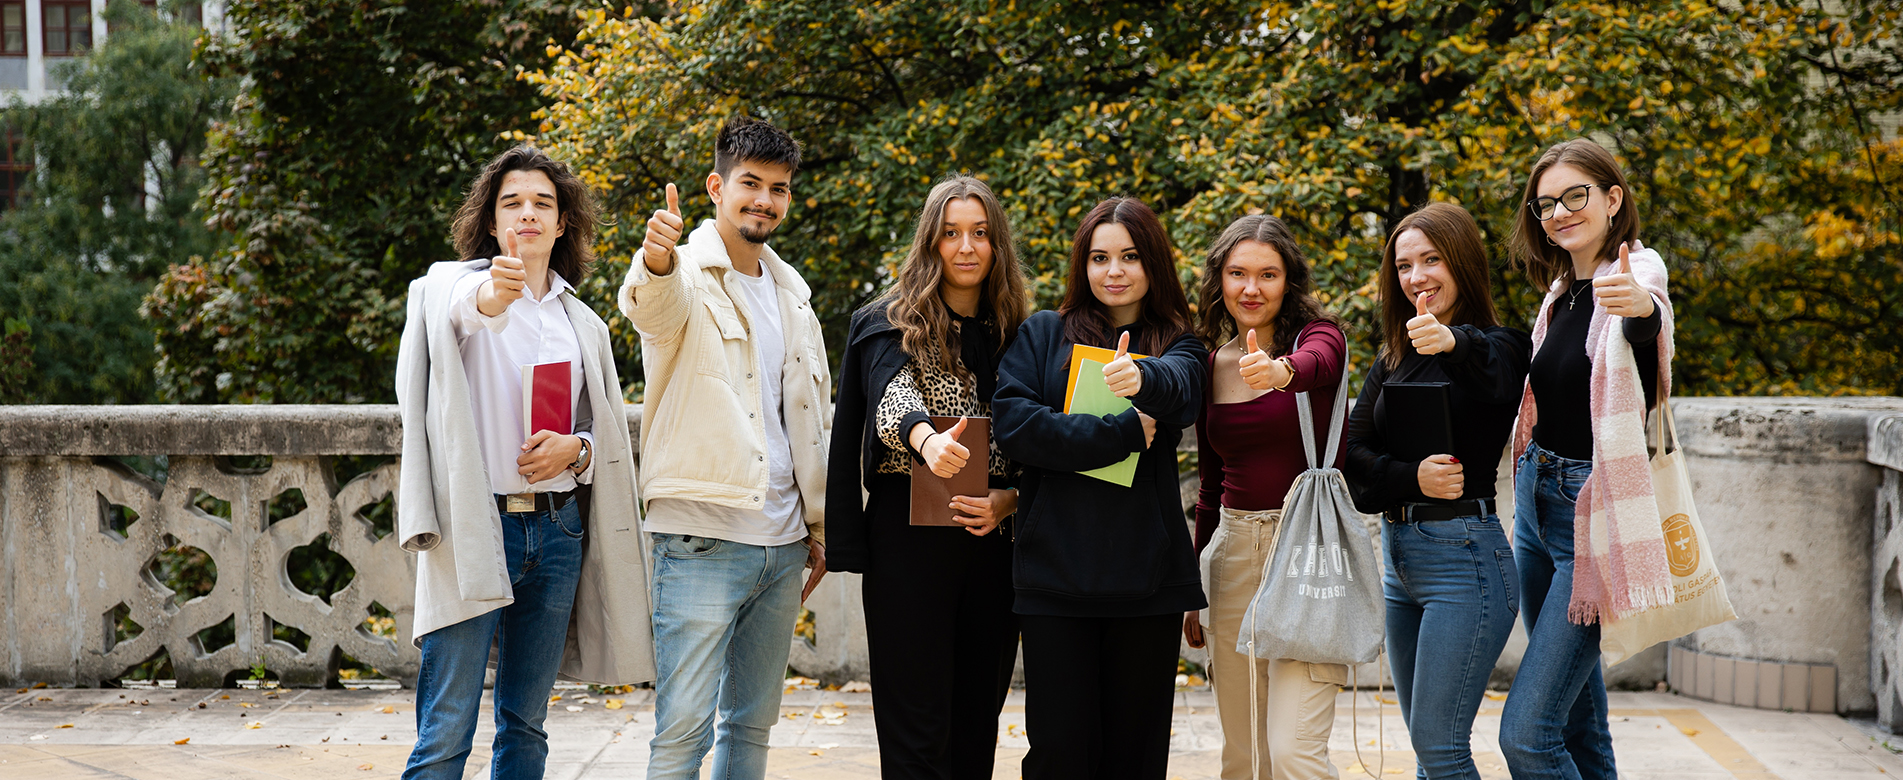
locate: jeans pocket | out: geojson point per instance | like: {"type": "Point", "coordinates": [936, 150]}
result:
{"type": "Point", "coordinates": [568, 518]}
{"type": "Point", "coordinates": [1509, 578]}
{"type": "Point", "coordinates": [1449, 532]}
{"type": "Point", "coordinates": [679, 546]}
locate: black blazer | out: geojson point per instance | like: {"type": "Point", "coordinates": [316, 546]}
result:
{"type": "Point", "coordinates": [1086, 547]}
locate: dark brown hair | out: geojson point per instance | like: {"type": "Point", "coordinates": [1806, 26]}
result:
{"type": "Point", "coordinates": [1165, 312]}
{"type": "Point", "coordinates": [474, 229]}
{"type": "Point", "coordinates": [1544, 262]}
{"type": "Point", "coordinates": [1299, 306]}
{"type": "Point", "coordinates": [913, 304]}
{"type": "Point", "coordinates": [1454, 234]}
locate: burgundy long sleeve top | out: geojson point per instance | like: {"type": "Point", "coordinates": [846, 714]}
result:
{"type": "Point", "coordinates": [1249, 453]}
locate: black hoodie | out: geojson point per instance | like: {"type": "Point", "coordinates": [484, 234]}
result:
{"type": "Point", "coordinates": [1087, 547]}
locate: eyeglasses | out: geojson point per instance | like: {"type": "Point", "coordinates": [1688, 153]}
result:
{"type": "Point", "coordinates": [1574, 199]}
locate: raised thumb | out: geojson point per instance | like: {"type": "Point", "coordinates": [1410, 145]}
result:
{"type": "Point", "coordinates": [673, 200]}
{"type": "Point", "coordinates": [1251, 341]}
{"type": "Point", "coordinates": [509, 239]}
{"type": "Point", "coordinates": [1123, 344]}
{"type": "Point", "coordinates": [1625, 258]}
{"type": "Point", "coordinates": [1420, 304]}
{"type": "Point", "coordinates": [958, 428]}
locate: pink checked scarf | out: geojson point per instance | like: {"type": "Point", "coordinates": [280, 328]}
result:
{"type": "Point", "coordinates": [1619, 560]}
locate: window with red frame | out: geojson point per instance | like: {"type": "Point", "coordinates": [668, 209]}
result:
{"type": "Point", "coordinates": [13, 170]}
{"type": "Point", "coordinates": [13, 28]}
{"type": "Point", "coordinates": [68, 26]}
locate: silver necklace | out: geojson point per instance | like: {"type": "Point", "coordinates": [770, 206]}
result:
{"type": "Point", "coordinates": [1570, 300]}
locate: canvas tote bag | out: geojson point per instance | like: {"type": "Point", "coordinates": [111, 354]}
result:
{"type": "Point", "coordinates": [1320, 597]}
{"type": "Point", "coordinates": [1699, 598]}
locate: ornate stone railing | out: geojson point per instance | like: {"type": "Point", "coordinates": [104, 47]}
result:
{"type": "Point", "coordinates": [1886, 581]}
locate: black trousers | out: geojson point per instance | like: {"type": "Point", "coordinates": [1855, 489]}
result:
{"type": "Point", "coordinates": [1099, 695]}
{"type": "Point", "coordinates": [942, 639]}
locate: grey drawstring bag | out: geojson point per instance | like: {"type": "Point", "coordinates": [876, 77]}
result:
{"type": "Point", "coordinates": [1320, 598]}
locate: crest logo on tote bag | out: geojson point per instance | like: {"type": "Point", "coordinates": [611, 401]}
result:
{"type": "Point", "coordinates": [1681, 545]}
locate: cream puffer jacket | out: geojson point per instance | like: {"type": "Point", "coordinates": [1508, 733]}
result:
{"type": "Point", "coordinates": [698, 440]}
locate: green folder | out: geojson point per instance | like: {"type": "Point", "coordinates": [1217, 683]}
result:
{"type": "Point", "coordinates": [1091, 395]}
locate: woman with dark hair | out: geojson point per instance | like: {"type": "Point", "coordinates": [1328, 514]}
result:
{"type": "Point", "coordinates": [509, 544]}
{"type": "Point", "coordinates": [1103, 572]}
{"type": "Point", "coordinates": [1583, 408]}
{"type": "Point", "coordinates": [1272, 339]}
{"type": "Point", "coordinates": [1450, 576]}
{"type": "Point", "coordinates": [939, 625]}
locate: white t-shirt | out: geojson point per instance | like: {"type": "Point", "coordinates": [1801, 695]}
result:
{"type": "Point", "coordinates": [779, 522]}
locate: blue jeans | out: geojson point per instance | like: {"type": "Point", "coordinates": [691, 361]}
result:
{"type": "Point", "coordinates": [1554, 725]}
{"type": "Point", "coordinates": [543, 550]}
{"type": "Point", "coordinates": [1450, 589]}
{"type": "Point", "coordinates": [723, 624]}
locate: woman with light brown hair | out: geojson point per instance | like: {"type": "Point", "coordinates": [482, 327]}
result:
{"type": "Point", "coordinates": [1600, 362]}
{"type": "Point", "coordinates": [1271, 339]}
{"type": "Point", "coordinates": [939, 626]}
{"type": "Point", "coordinates": [1449, 578]}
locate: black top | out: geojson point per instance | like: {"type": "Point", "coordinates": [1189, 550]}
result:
{"type": "Point", "coordinates": [1486, 373]}
{"type": "Point", "coordinates": [1561, 376]}
{"type": "Point", "coordinates": [1086, 547]}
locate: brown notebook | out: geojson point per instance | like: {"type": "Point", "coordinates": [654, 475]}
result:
{"type": "Point", "coordinates": [932, 494]}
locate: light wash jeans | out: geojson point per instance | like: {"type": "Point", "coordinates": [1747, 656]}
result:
{"type": "Point", "coordinates": [543, 550]}
{"type": "Point", "coordinates": [1450, 589]}
{"type": "Point", "coordinates": [1554, 725]}
{"type": "Point", "coordinates": [723, 624]}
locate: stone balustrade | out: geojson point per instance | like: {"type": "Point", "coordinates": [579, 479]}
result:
{"type": "Point", "coordinates": [1800, 496]}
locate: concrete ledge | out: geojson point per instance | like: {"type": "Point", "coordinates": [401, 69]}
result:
{"type": "Point", "coordinates": [259, 429]}
{"type": "Point", "coordinates": [1781, 429]}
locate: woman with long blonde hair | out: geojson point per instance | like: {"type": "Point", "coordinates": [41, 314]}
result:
{"type": "Point", "coordinates": [939, 625]}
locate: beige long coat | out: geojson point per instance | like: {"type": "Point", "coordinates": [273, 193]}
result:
{"type": "Point", "coordinates": [446, 512]}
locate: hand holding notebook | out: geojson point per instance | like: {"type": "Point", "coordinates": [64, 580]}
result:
{"type": "Point", "coordinates": [932, 494]}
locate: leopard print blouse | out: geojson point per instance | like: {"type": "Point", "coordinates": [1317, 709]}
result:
{"type": "Point", "coordinates": [926, 386]}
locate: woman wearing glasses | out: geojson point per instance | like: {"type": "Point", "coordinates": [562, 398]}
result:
{"type": "Point", "coordinates": [1602, 356]}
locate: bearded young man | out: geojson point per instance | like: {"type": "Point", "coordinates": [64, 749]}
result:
{"type": "Point", "coordinates": [735, 425]}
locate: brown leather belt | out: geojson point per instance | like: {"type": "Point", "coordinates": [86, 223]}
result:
{"type": "Point", "coordinates": [533, 502]}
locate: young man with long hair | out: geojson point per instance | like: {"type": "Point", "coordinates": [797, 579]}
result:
{"type": "Point", "coordinates": [513, 556]}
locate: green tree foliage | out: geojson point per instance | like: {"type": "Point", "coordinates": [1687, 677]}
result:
{"type": "Point", "coordinates": [108, 206]}
{"type": "Point", "coordinates": [334, 178]}
{"type": "Point", "coordinates": [1746, 127]}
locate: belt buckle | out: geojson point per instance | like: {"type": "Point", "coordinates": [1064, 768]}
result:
{"type": "Point", "coordinates": [518, 502]}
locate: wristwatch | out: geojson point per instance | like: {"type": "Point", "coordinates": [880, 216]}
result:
{"type": "Point", "coordinates": [580, 459]}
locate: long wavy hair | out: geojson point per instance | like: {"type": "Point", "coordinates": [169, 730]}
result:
{"type": "Point", "coordinates": [913, 304]}
{"type": "Point", "coordinates": [1543, 262]}
{"type": "Point", "coordinates": [1299, 305]}
{"type": "Point", "coordinates": [1165, 313]}
{"type": "Point", "coordinates": [1452, 231]}
{"type": "Point", "coordinates": [474, 230]}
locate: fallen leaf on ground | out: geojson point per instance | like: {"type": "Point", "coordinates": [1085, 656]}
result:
{"type": "Point", "coordinates": [246, 704]}
{"type": "Point", "coordinates": [1496, 695]}
{"type": "Point", "coordinates": [1689, 732]}
{"type": "Point", "coordinates": [613, 704]}
{"type": "Point", "coordinates": [856, 686]}
{"type": "Point", "coordinates": [556, 697]}
{"type": "Point", "coordinates": [37, 686]}
{"type": "Point", "coordinates": [181, 741]}
{"type": "Point", "coordinates": [256, 724]}
{"type": "Point", "coordinates": [591, 700]}
{"type": "Point", "coordinates": [66, 725]}
{"type": "Point", "coordinates": [388, 709]}
{"type": "Point", "coordinates": [573, 708]}
{"type": "Point", "coordinates": [226, 696]}
{"type": "Point", "coordinates": [365, 767]}
{"type": "Point", "coordinates": [817, 752]}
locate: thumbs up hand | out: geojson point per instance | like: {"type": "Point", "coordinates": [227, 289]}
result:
{"type": "Point", "coordinates": [942, 452]}
{"type": "Point", "coordinates": [1620, 293]}
{"type": "Point", "coordinates": [507, 278]}
{"type": "Point", "coordinates": [1121, 373]}
{"type": "Point", "coordinates": [664, 232]}
{"type": "Point", "coordinates": [1430, 337]}
{"type": "Point", "coordinates": [1260, 371]}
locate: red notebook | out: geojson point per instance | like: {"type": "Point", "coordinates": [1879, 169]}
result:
{"type": "Point", "coordinates": [547, 403]}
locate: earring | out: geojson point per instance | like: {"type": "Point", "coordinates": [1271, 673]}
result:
{"type": "Point", "coordinates": [1549, 240]}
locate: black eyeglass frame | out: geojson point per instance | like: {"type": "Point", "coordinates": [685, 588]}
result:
{"type": "Point", "coordinates": [1549, 205]}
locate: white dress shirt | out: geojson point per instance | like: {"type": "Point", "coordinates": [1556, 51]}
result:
{"type": "Point", "coordinates": [494, 350]}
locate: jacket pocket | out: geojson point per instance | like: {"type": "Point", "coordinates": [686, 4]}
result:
{"type": "Point", "coordinates": [1087, 538]}
{"type": "Point", "coordinates": [722, 347]}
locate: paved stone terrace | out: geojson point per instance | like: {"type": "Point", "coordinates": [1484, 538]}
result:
{"type": "Point", "coordinates": [168, 734]}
